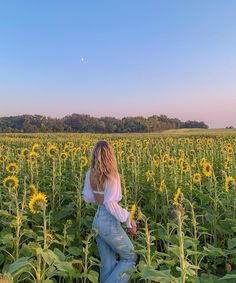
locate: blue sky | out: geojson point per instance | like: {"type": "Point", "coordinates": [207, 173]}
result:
{"type": "Point", "coordinates": [170, 57]}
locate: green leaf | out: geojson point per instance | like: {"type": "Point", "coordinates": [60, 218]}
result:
{"type": "Point", "coordinates": [93, 276]}
{"type": "Point", "coordinates": [231, 243]}
{"type": "Point", "coordinates": [74, 251]}
{"type": "Point", "coordinates": [228, 277]}
{"type": "Point", "coordinates": [213, 251]}
{"type": "Point", "coordinates": [50, 257]}
{"type": "Point", "coordinates": [163, 276]}
{"type": "Point", "coordinates": [18, 264]}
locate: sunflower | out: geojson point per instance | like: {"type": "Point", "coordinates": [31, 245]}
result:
{"type": "Point", "coordinates": [52, 151]}
{"type": "Point", "coordinates": [203, 161]}
{"type": "Point", "coordinates": [69, 144]}
{"type": "Point", "coordinates": [25, 152]}
{"type": "Point", "coordinates": [130, 158]}
{"type": "Point", "coordinates": [162, 186]}
{"type": "Point", "coordinates": [83, 161]}
{"type": "Point", "coordinates": [18, 151]}
{"type": "Point", "coordinates": [66, 148]}
{"type": "Point", "coordinates": [149, 175]}
{"type": "Point", "coordinates": [33, 188]}
{"type": "Point", "coordinates": [165, 157]}
{"type": "Point", "coordinates": [133, 211]}
{"type": "Point", "coordinates": [77, 150]}
{"type": "Point", "coordinates": [3, 158]}
{"type": "Point", "coordinates": [35, 148]}
{"type": "Point", "coordinates": [64, 155]}
{"type": "Point", "coordinates": [171, 162]}
{"type": "Point", "coordinates": [12, 168]}
{"type": "Point", "coordinates": [156, 162]}
{"type": "Point", "coordinates": [49, 236]}
{"type": "Point", "coordinates": [184, 166]}
{"type": "Point", "coordinates": [180, 161]}
{"type": "Point", "coordinates": [178, 197]}
{"type": "Point", "coordinates": [11, 182]}
{"type": "Point", "coordinates": [230, 150]}
{"type": "Point", "coordinates": [228, 182]}
{"type": "Point", "coordinates": [197, 178]}
{"type": "Point", "coordinates": [207, 169]}
{"type": "Point", "coordinates": [120, 153]}
{"type": "Point", "coordinates": [38, 202]}
{"type": "Point", "coordinates": [32, 158]}
{"type": "Point", "coordinates": [227, 163]}
{"type": "Point", "coordinates": [194, 163]}
{"type": "Point", "coordinates": [209, 142]}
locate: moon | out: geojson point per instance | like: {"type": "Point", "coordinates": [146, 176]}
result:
{"type": "Point", "coordinates": [82, 59]}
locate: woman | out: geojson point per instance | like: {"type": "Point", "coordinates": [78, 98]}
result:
{"type": "Point", "coordinates": [103, 186]}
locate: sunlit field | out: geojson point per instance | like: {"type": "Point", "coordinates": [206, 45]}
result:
{"type": "Point", "coordinates": [179, 185]}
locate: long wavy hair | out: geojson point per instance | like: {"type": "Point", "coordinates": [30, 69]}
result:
{"type": "Point", "coordinates": [103, 163]}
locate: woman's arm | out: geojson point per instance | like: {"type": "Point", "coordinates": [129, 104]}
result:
{"type": "Point", "coordinates": [118, 212]}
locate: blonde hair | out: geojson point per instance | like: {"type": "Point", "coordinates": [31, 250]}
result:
{"type": "Point", "coordinates": [103, 163]}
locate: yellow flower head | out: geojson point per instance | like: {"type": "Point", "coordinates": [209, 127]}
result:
{"type": "Point", "coordinates": [35, 148]}
{"type": "Point", "coordinates": [165, 157]}
{"type": "Point", "coordinates": [230, 150]}
{"type": "Point", "coordinates": [171, 162]}
{"type": "Point", "coordinates": [177, 197]}
{"type": "Point", "coordinates": [228, 181]}
{"type": "Point", "coordinates": [64, 155]}
{"type": "Point", "coordinates": [84, 161]}
{"type": "Point", "coordinates": [12, 168]}
{"type": "Point", "coordinates": [227, 163]}
{"type": "Point", "coordinates": [162, 186]}
{"type": "Point", "coordinates": [3, 158]}
{"type": "Point", "coordinates": [197, 178]}
{"type": "Point", "coordinates": [52, 151]}
{"type": "Point", "coordinates": [38, 202]}
{"type": "Point", "coordinates": [194, 163]}
{"type": "Point", "coordinates": [203, 161]}
{"type": "Point", "coordinates": [130, 158]}
{"type": "Point", "coordinates": [207, 169]}
{"type": "Point", "coordinates": [77, 150]}
{"type": "Point", "coordinates": [149, 175]}
{"type": "Point", "coordinates": [19, 151]}
{"type": "Point", "coordinates": [25, 152]}
{"type": "Point", "coordinates": [33, 188]}
{"type": "Point", "coordinates": [184, 165]}
{"type": "Point", "coordinates": [49, 237]}
{"type": "Point", "coordinates": [11, 182]}
{"type": "Point", "coordinates": [133, 211]}
{"type": "Point", "coordinates": [156, 161]}
{"type": "Point", "coordinates": [32, 157]}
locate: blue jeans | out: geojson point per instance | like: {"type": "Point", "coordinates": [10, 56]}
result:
{"type": "Point", "coordinates": [111, 240]}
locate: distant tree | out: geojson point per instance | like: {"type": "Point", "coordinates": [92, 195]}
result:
{"type": "Point", "coordinates": [193, 124]}
{"type": "Point", "coordinates": [86, 123]}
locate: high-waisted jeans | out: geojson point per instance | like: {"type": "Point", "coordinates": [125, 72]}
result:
{"type": "Point", "coordinates": [111, 240]}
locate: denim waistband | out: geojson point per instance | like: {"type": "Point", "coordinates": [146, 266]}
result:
{"type": "Point", "coordinates": [101, 207]}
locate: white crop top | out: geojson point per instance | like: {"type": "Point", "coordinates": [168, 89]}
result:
{"type": "Point", "coordinates": [112, 195]}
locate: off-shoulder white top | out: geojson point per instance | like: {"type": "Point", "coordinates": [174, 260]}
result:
{"type": "Point", "coordinates": [112, 195]}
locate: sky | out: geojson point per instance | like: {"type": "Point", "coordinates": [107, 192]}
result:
{"type": "Point", "coordinates": [119, 58]}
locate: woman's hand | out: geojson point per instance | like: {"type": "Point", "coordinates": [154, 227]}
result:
{"type": "Point", "coordinates": [133, 230]}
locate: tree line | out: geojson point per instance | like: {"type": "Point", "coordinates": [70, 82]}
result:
{"type": "Point", "coordinates": [86, 123]}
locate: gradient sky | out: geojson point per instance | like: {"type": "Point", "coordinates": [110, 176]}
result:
{"type": "Point", "coordinates": [173, 57]}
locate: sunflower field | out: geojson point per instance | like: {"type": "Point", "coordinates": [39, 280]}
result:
{"type": "Point", "coordinates": [181, 190]}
